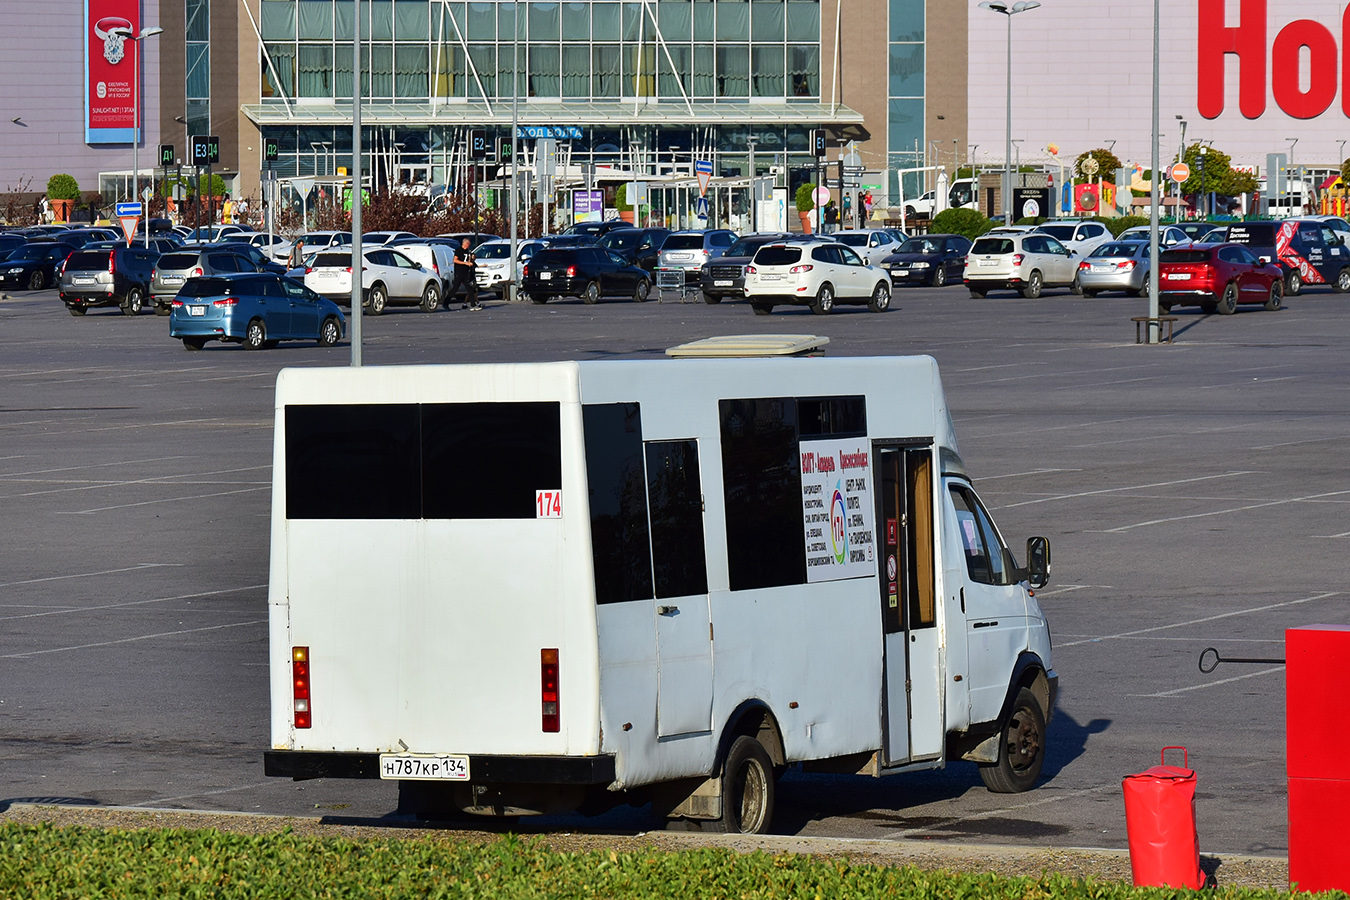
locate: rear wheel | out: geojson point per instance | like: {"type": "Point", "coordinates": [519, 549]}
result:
{"type": "Point", "coordinates": [640, 292]}
{"type": "Point", "coordinates": [881, 298]}
{"type": "Point", "coordinates": [1208, 306]}
{"type": "Point", "coordinates": [762, 309]}
{"type": "Point", "coordinates": [1293, 284]}
{"type": "Point", "coordinates": [134, 302]}
{"type": "Point", "coordinates": [940, 276]}
{"type": "Point", "coordinates": [194, 343]}
{"type": "Point", "coordinates": [77, 310]}
{"type": "Point", "coordinates": [431, 297]}
{"type": "Point", "coordinates": [711, 299]}
{"type": "Point", "coordinates": [1021, 748]}
{"type": "Point", "coordinates": [747, 789]}
{"type": "Point", "coordinates": [329, 332]}
{"type": "Point", "coordinates": [1228, 302]}
{"type": "Point", "coordinates": [256, 335]}
{"type": "Point", "coordinates": [1077, 286]}
{"type": "Point", "coordinates": [978, 293]}
{"type": "Point", "coordinates": [378, 300]}
{"type": "Point", "coordinates": [1090, 293]}
{"type": "Point", "coordinates": [1164, 308]}
{"type": "Point", "coordinates": [539, 299]}
{"type": "Point", "coordinates": [1276, 298]}
{"type": "Point", "coordinates": [1342, 283]}
{"type": "Point", "coordinates": [823, 305]}
{"type": "Point", "coordinates": [162, 309]}
{"type": "Point", "coordinates": [1033, 288]}
{"type": "Point", "coordinates": [591, 294]}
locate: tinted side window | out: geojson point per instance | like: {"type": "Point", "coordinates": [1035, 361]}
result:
{"type": "Point", "coordinates": [620, 547]}
{"type": "Point", "coordinates": [1230, 254]}
{"type": "Point", "coordinates": [833, 416]}
{"type": "Point", "coordinates": [761, 468]}
{"type": "Point", "coordinates": [352, 462]}
{"type": "Point", "coordinates": [515, 450]}
{"type": "Point", "coordinates": [1034, 244]}
{"type": "Point", "coordinates": [223, 262]}
{"type": "Point", "coordinates": [675, 495]}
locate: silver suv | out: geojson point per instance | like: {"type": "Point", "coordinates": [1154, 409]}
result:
{"type": "Point", "coordinates": [173, 269]}
{"type": "Point", "coordinates": [689, 250]}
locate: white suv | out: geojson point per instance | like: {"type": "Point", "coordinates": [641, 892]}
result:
{"type": "Point", "coordinates": [815, 274]}
{"type": "Point", "coordinates": [1082, 237]}
{"type": "Point", "coordinates": [1025, 263]}
{"type": "Point", "coordinates": [387, 277]}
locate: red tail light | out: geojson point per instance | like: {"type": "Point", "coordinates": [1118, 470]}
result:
{"type": "Point", "coordinates": [112, 255]}
{"type": "Point", "coordinates": [1207, 271]}
{"type": "Point", "coordinates": [797, 270]}
{"type": "Point", "coordinates": [177, 303]}
{"type": "Point", "coordinates": [348, 270]}
{"type": "Point", "coordinates": [1017, 259]}
{"type": "Point", "coordinates": [751, 270]}
{"type": "Point", "coordinates": [228, 301]}
{"type": "Point", "coordinates": [1084, 266]}
{"type": "Point", "coordinates": [571, 271]}
{"type": "Point", "coordinates": [300, 686]}
{"type": "Point", "coordinates": [548, 689]}
{"type": "Point", "coordinates": [198, 271]}
{"type": "Point", "coordinates": [1126, 266]}
{"type": "Point", "coordinates": [308, 269]}
{"type": "Point", "coordinates": [525, 270]}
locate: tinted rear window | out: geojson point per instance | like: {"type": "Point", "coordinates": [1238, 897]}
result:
{"type": "Point", "coordinates": [207, 287]}
{"type": "Point", "coordinates": [1258, 235]}
{"type": "Point", "coordinates": [178, 260]}
{"type": "Point", "coordinates": [778, 256]}
{"type": "Point", "coordinates": [747, 247]}
{"type": "Point", "coordinates": [623, 239]}
{"type": "Point", "coordinates": [1058, 232]}
{"type": "Point", "coordinates": [1184, 256]}
{"type": "Point", "coordinates": [852, 240]}
{"type": "Point", "coordinates": [1123, 248]}
{"type": "Point", "coordinates": [555, 257]}
{"type": "Point", "coordinates": [88, 259]}
{"type": "Point", "coordinates": [683, 242]}
{"type": "Point", "coordinates": [992, 246]}
{"type": "Point", "coordinates": [332, 260]}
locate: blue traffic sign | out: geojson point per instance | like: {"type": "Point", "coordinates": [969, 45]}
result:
{"type": "Point", "coordinates": [128, 209]}
{"type": "Point", "coordinates": [703, 166]}
{"type": "Point", "coordinates": [701, 210]}
{"type": "Point", "coordinates": [557, 132]}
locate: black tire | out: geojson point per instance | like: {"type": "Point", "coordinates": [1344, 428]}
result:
{"type": "Point", "coordinates": [1164, 308]}
{"type": "Point", "coordinates": [1208, 306]}
{"type": "Point", "coordinates": [592, 293]}
{"type": "Point", "coordinates": [255, 336]}
{"type": "Point", "coordinates": [1077, 287]}
{"type": "Point", "coordinates": [162, 310]}
{"type": "Point", "coordinates": [881, 298]}
{"type": "Point", "coordinates": [823, 305]}
{"type": "Point", "coordinates": [133, 303]}
{"type": "Point", "coordinates": [711, 299]}
{"type": "Point", "coordinates": [1034, 284]}
{"type": "Point", "coordinates": [431, 298]}
{"type": "Point", "coordinates": [539, 299]}
{"type": "Point", "coordinates": [330, 332]}
{"type": "Point", "coordinates": [1228, 302]}
{"type": "Point", "coordinates": [940, 276]}
{"type": "Point", "coordinates": [378, 300]}
{"type": "Point", "coordinates": [762, 309]}
{"type": "Point", "coordinates": [979, 293]}
{"type": "Point", "coordinates": [271, 344]}
{"type": "Point", "coordinates": [910, 212]}
{"type": "Point", "coordinates": [37, 281]}
{"type": "Point", "coordinates": [1276, 298]}
{"type": "Point", "coordinates": [747, 789]}
{"type": "Point", "coordinates": [644, 287]}
{"type": "Point", "coordinates": [194, 343]}
{"type": "Point", "coordinates": [77, 310]}
{"type": "Point", "coordinates": [1293, 284]}
{"type": "Point", "coordinates": [1090, 293]}
{"type": "Point", "coordinates": [1021, 748]}
{"type": "Point", "coordinates": [1342, 283]}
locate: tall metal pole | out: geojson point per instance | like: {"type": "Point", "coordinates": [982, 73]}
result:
{"type": "Point", "coordinates": [754, 197]}
{"type": "Point", "coordinates": [515, 161]}
{"type": "Point", "coordinates": [1153, 197]}
{"type": "Point", "coordinates": [136, 135]}
{"type": "Point", "coordinates": [358, 260]}
{"type": "Point", "coordinates": [1007, 146]}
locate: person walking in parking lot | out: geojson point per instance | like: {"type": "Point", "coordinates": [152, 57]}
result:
{"type": "Point", "coordinates": [297, 258]}
{"type": "Point", "coordinates": [465, 267]}
{"type": "Point", "coordinates": [831, 218]}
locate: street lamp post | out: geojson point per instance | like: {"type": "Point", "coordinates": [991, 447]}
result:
{"type": "Point", "coordinates": [754, 199]}
{"type": "Point", "coordinates": [358, 259]}
{"type": "Point", "coordinates": [1181, 157]}
{"type": "Point", "coordinates": [136, 123]}
{"type": "Point", "coordinates": [1204, 183]}
{"type": "Point", "coordinates": [1009, 10]}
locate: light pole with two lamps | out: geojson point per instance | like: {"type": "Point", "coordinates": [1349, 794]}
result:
{"type": "Point", "coordinates": [136, 123]}
{"type": "Point", "coordinates": [1008, 9]}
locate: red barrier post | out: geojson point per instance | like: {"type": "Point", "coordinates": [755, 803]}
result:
{"type": "Point", "coordinates": [1160, 822]}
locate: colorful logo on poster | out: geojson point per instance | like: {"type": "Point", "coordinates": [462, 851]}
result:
{"type": "Point", "coordinates": [838, 526]}
{"type": "Point", "coordinates": [110, 64]}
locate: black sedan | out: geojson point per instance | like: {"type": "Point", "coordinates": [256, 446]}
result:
{"type": "Point", "coordinates": [586, 272]}
{"type": "Point", "coordinates": [33, 266]}
{"type": "Point", "coordinates": [933, 259]}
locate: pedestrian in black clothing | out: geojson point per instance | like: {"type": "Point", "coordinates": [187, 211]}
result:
{"type": "Point", "coordinates": [465, 266]}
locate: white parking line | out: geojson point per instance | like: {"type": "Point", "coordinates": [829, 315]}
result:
{"type": "Point", "coordinates": [97, 509]}
{"type": "Point", "coordinates": [984, 478]}
{"type": "Point", "coordinates": [1227, 615]}
{"type": "Point", "coordinates": [102, 465]}
{"type": "Point", "coordinates": [132, 640]}
{"type": "Point", "coordinates": [92, 485]}
{"type": "Point", "coordinates": [128, 604]}
{"type": "Point", "coordinates": [1003, 810]}
{"type": "Point", "coordinates": [1219, 512]}
{"type": "Point", "coordinates": [1074, 587]}
{"type": "Point", "coordinates": [1201, 687]}
{"type": "Point", "coordinates": [136, 568]}
{"type": "Point", "coordinates": [1116, 490]}
{"type": "Point", "coordinates": [243, 787]}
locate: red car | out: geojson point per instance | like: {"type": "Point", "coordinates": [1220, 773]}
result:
{"type": "Point", "coordinates": [1217, 277]}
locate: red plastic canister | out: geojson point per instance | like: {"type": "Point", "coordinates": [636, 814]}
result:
{"type": "Point", "coordinates": [1160, 821]}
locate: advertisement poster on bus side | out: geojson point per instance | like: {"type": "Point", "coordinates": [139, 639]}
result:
{"type": "Point", "coordinates": [837, 509]}
{"type": "Point", "coordinates": [110, 60]}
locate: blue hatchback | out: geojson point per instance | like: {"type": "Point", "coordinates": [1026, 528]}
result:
{"type": "Point", "coordinates": [256, 310]}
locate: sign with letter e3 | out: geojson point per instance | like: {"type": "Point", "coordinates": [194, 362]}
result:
{"type": "Point", "coordinates": [110, 60]}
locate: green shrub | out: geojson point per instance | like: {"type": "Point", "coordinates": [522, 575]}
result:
{"type": "Point", "coordinates": [1117, 225]}
{"type": "Point", "coordinates": [1031, 220]}
{"type": "Point", "coordinates": [621, 199]}
{"type": "Point", "coordinates": [806, 198]}
{"type": "Point", "coordinates": [969, 223]}
{"type": "Point", "coordinates": [63, 187]}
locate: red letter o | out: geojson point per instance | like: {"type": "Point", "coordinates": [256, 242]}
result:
{"type": "Point", "coordinates": [1284, 75]}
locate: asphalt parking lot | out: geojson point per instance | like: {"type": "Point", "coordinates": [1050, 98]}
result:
{"type": "Point", "coordinates": [1194, 495]}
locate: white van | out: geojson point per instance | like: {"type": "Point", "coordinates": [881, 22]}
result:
{"type": "Point", "coordinates": [533, 588]}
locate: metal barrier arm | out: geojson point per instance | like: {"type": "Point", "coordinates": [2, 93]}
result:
{"type": "Point", "coordinates": [1231, 659]}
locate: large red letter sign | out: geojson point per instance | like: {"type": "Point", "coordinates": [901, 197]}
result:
{"type": "Point", "coordinates": [1322, 76]}
{"type": "Point", "coordinates": [1247, 39]}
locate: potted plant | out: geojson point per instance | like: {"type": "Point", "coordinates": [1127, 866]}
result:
{"type": "Point", "coordinates": [621, 203]}
{"type": "Point", "coordinates": [805, 203]}
{"type": "Point", "coordinates": [62, 192]}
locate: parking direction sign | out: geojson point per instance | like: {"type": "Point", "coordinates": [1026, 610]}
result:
{"type": "Point", "coordinates": [703, 169]}
{"type": "Point", "coordinates": [127, 209]}
{"type": "Point", "coordinates": [166, 155]}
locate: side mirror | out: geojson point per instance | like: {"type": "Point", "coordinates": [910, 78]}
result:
{"type": "Point", "coordinates": [1038, 561]}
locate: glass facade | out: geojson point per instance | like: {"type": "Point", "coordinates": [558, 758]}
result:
{"type": "Point", "coordinates": [906, 87]}
{"type": "Point", "coordinates": [197, 15]}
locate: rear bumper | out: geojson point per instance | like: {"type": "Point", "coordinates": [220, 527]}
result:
{"type": "Point", "coordinates": [102, 296]}
{"type": "Point", "coordinates": [303, 764]}
{"type": "Point", "coordinates": [562, 287]}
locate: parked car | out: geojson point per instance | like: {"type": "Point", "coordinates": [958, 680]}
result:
{"type": "Point", "coordinates": [475, 237]}
{"type": "Point", "coordinates": [1168, 236]}
{"type": "Point", "coordinates": [437, 256]}
{"type": "Point", "coordinates": [1120, 265]}
{"type": "Point", "coordinates": [260, 260]}
{"type": "Point", "coordinates": [1308, 251]}
{"type": "Point", "coordinates": [494, 259]}
{"type": "Point", "coordinates": [387, 277]}
{"type": "Point", "coordinates": [1026, 262]}
{"type": "Point", "coordinates": [10, 242]}
{"type": "Point", "coordinates": [640, 246]}
{"type": "Point", "coordinates": [255, 310]}
{"type": "Point", "coordinates": [559, 241]}
{"type": "Point", "coordinates": [921, 206]}
{"type": "Point", "coordinates": [1197, 230]}
{"type": "Point", "coordinates": [116, 276]}
{"type": "Point", "coordinates": [211, 234]}
{"type": "Point", "coordinates": [33, 266]}
{"type": "Point", "coordinates": [1080, 237]}
{"type": "Point", "coordinates": [872, 244]}
{"type": "Point", "coordinates": [374, 238]}
{"type": "Point", "coordinates": [818, 275]}
{"type": "Point", "coordinates": [315, 241]}
{"type": "Point", "coordinates": [173, 270]}
{"type": "Point", "coordinates": [689, 250]}
{"type": "Point", "coordinates": [725, 276]}
{"type": "Point", "coordinates": [274, 245]}
{"type": "Point", "coordinates": [586, 272]}
{"type": "Point", "coordinates": [597, 229]}
{"type": "Point", "coordinates": [1218, 277]}
{"type": "Point", "coordinates": [934, 259]}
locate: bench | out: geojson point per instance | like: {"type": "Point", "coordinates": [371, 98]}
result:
{"type": "Point", "coordinates": [1139, 322]}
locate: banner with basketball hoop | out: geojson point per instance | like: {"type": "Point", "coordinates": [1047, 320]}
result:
{"type": "Point", "coordinates": [110, 60]}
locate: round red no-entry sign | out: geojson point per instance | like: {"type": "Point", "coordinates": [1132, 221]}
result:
{"type": "Point", "coordinates": [1180, 172]}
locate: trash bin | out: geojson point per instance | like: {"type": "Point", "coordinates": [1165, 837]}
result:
{"type": "Point", "coordinates": [1160, 821]}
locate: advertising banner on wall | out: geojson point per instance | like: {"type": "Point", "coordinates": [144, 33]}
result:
{"type": "Point", "coordinates": [837, 509]}
{"type": "Point", "coordinates": [588, 206]}
{"type": "Point", "coordinates": [110, 59]}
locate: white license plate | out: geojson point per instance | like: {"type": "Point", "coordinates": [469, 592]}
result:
{"type": "Point", "coordinates": [196, 310]}
{"type": "Point", "coordinates": [424, 767]}
{"type": "Point", "coordinates": [327, 274]}
{"type": "Point", "coordinates": [681, 256]}
{"type": "Point", "coordinates": [1101, 269]}
{"type": "Point", "coordinates": [85, 280]}
{"type": "Point", "coordinates": [545, 276]}
{"type": "Point", "coordinates": [771, 278]}
{"type": "Point", "coordinates": [988, 262]}
{"type": "Point", "coordinates": [172, 279]}
{"type": "Point", "coordinates": [899, 273]}
{"type": "Point", "coordinates": [1178, 276]}
{"type": "Point", "coordinates": [722, 283]}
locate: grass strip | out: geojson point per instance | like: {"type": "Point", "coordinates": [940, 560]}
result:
{"type": "Point", "coordinates": [43, 862]}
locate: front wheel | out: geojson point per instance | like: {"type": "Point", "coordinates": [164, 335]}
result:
{"type": "Point", "coordinates": [823, 305]}
{"type": "Point", "coordinates": [641, 291]}
{"type": "Point", "coordinates": [378, 300]}
{"type": "Point", "coordinates": [162, 310]}
{"type": "Point", "coordinates": [255, 338]}
{"type": "Point", "coordinates": [133, 303]}
{"type": "Point", "coordinates": [881, 298]}
{"type": "Point", "coordinates": [1033, 288]}
{"type": "Point", "coordinates": [431, 298]}
{"type": "Point", "coordinates": [1293, 284]}
{"type": "Point", "coordinates": [1208, 306]}
{"type": "Point", "coordinates": [747, 789]}
{"type": "Point", "coordinates": [1276, 298]}
{"type": "Point", "coordinates": [329, 332]}
{"type": "Point", "coordinates": [711, 299]}
{"type": "Point", "coordinates": [1228, 302]}
{"type": "Point", "coordinates": [37, 281]}
{"type": "Point", "coordinates": [1021, 748]}
{"type": "Point", "coordinates": [940, 276]}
